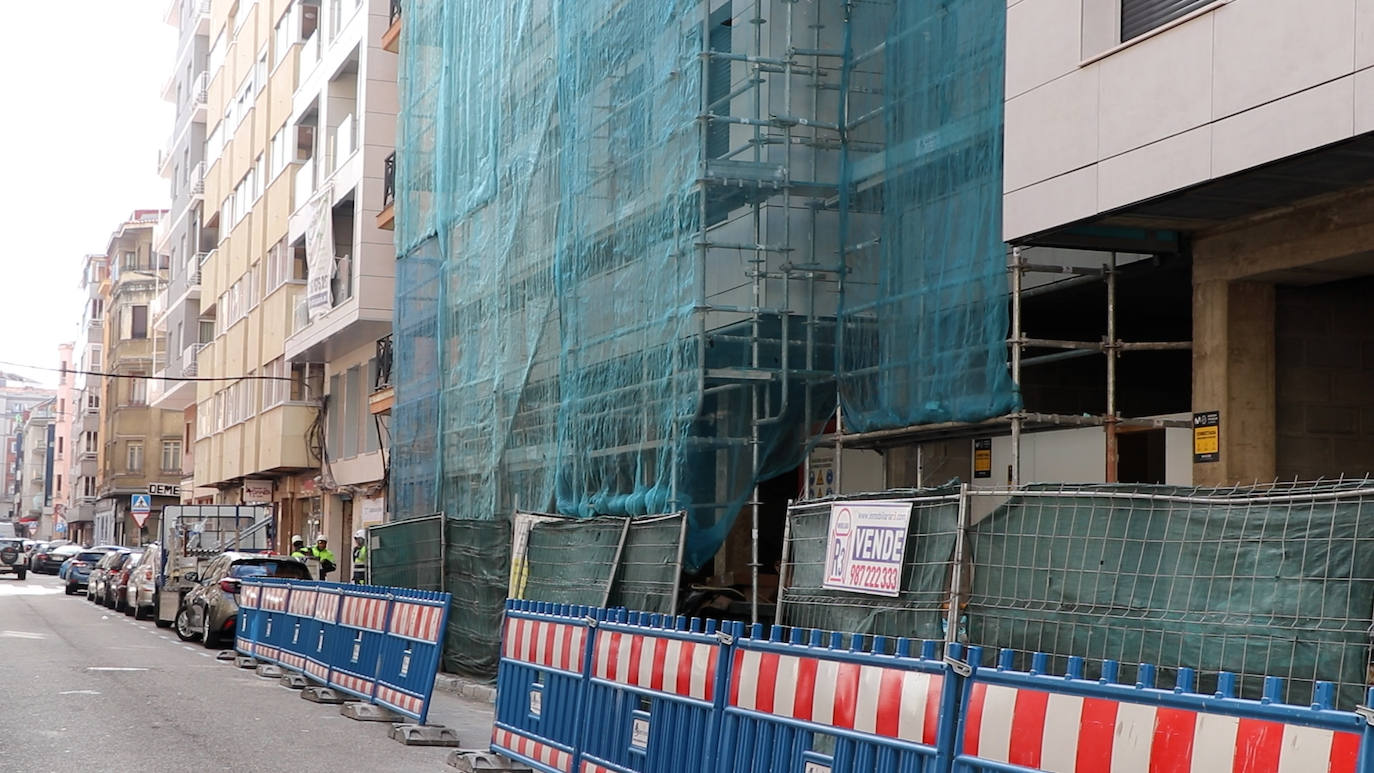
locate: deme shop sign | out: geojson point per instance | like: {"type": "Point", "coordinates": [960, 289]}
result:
{"type": "Point", "coordinates": [865, 547]}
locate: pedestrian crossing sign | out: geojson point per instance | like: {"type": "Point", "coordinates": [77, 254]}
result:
{"type": "Point", "coordinates": [141, 503]}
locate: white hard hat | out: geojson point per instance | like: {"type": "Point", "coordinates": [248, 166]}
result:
{"type": "Point", "coordinates": [296, 538]}
{"type": "Point", "coordinates": [359, 534]}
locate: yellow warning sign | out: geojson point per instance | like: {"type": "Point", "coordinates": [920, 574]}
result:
{"type": "Point", "coordinates": [982, 458]}
{"type": "Point", "coordinates": [1206, 437]}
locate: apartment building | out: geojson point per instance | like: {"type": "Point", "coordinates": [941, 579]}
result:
{"type": "Point", "coordinates": [84, 440]}
{"type": "Point", "coordinates": [63, 420]}
{"type": "Point", "coordinates": [17, 396]}
{"type": "Point", "coordinates": [1233, 139]}
{"type": "Point", "coordinates": [344, 113]}
{"type": "Point", "coordinates": [140, 445]}
{"type": "Point", "coordinates": [34, 485]}
{"type": "Point", "coordinates": [181, 236]}
{"type": "Point", "coordinates": [257, 440]}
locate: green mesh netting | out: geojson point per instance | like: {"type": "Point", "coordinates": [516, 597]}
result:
{"type": "Point", "coordinates": [621, 261]}
{"type": "Point", "coordinates": [468, 559]}
{"type": "Point", "coordinates": [924, 314]}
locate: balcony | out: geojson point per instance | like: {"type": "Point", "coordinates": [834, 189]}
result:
{"type": "Point", "coordinates": [300, 315]}
{"type": "Point", "coordinates": [386, 219]}
{"type": "Point", "coordinates": [383, 393]}
{"type": "Point", "coordinates": [190, 365]}
{"type": "Point", "coordinates": [391, 39]}
{"type": "Point", "coordinates": [196, 181]}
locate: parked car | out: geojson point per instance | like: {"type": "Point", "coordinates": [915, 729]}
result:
{"type": "Point", "coordinates": [98, 584]}
{"type": "Point", "coordinates": [117, 580]}
{"type": "Point", "coordinates": [140, 598]}
{"type": "Point", "coordinates": [49, 559]}
{"type": "Point", "coordinates": [210, 610]}
{"type": "Point", "coordinates": [12, 559]}
{"type": "Point", "coordinates": [78, 569]}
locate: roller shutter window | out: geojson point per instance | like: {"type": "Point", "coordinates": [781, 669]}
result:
{"type": "Point", "coordinates": [1140, 16]}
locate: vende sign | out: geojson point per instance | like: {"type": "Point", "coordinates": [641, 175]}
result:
{"type": "Point", "coordinates": [865, 547]}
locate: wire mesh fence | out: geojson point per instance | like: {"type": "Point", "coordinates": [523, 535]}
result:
{"type": "Point", "coordinates": [608, 561]}
{"type": "Point", "coordinates": [469, 559]}
{"type": "Point", "coordinates": [1272, 581]}
{"type": "Point", "coordinates": [918, 611]}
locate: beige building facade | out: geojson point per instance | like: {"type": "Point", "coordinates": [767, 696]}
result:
{"type": "Point", "coordinates": [140, 445]}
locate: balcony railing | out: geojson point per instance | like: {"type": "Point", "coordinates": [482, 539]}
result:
{"type": "Point", "coordinates": [196, 180]}
{"type": "Point", "coordinates": [384, 359]}
{"type": "Point", "coordinates": [389, 181]}
{"type": "Point", "coordinates": [200, 89]}
{"type": "Point", "coordinates": [193, 267]}
{"type": "Point", "coordinates": [300, 316]}
{"type": "Point", "coordinates": [189, 365]}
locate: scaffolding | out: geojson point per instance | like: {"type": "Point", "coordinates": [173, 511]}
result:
{"type": "Point", "coordinates": [648, 250]}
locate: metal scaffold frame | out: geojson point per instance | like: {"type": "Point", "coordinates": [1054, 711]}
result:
{"type": "Point", "coordinates": [1018, 342]}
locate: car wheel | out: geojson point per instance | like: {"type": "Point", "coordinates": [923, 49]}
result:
{"type": "Point", "coordinates": [208, 637]}
{"type": "Point", "coordinates": [183, 625]}
{"type": "Point", "coordinates": [21, 573]}
{"type": "Point", "coordinates": [71, 589]}
{"type": "Point", "coordinates": [140, 613]}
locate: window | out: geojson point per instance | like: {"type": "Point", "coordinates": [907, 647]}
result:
{"type": "Point", "coordinates": [96, 361]}
{"type": "Point", "coordinates": [138, 389]}
{"type": "Point", "coordinates": [91, 442]}
{"type": "Point", "coordinates": [135, 456]}
{"type": "Point", "coordinates": [138, 326]}
{"type": "Point", "coordinates": [92, 402]}
{"type": "Point", "coordinates": [61, 445]}
{"type": "Point", "coordinates": [282, 39]}
{"type": "Point", "coordinates": [1140, 16]}
{"type": "Point", "coordinates": [171, 456]}
{"type": "Point", "coordinates": [88, 487]}
{"type": "Point", "coordinates": [59, 483]}
{"type": "Point", "coordinates": [274, 388]}
{"type": "Point", "coordinates": [97, 309]}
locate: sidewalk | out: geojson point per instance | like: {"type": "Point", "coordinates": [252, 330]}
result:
{"type": "Point", "coordinates": [465, 687]}
{"type": "Point", "coordinates": [470, 718]}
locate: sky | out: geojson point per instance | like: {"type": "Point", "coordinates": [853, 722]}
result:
{"type": "Point", "coordinates": [82, 123]}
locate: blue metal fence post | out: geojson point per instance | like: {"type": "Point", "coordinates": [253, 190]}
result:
{"type": "Point", "coordinates": [1365, 763]}
{"type": "Point", "coordinates": [386, 627]}
{"type": "Point", "coordinates": [592, 618]}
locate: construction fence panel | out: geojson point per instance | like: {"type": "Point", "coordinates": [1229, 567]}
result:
{"type": "Point", "coordinates": [655, 688]}
{"type": "Point", "coordinates": [476, 573]}
{"type": "Point", "coordinates": [803, 700]}
{"type": "Point", "coordinates": [919, 609]}
{"type": "Point", "coordinates": [1256, 582]}
{"type": "Point", "coordinates": [539, 704]}
{"type": "Point", "coordinates": [1043, 719]}
{"type": "Point", "coordinates": [650, 564]}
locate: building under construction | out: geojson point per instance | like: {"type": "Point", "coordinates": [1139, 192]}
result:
{"type": "Point", "coordinates": [662, 256]}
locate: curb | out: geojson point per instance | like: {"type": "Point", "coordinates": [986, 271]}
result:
{"type": "Point", "coordinates": [466, 688]}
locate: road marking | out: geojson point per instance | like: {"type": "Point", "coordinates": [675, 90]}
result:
{"type": "Point", "coordinates": [113, 668]}
{"type": "Point", "coordinates": [79, 692]}
{"type": "Point", "coordinates": [21, 635]}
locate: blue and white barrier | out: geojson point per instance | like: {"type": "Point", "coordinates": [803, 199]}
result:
{"type": "Point", "coordinates": [585, 690]}
{"type": "Point", "coordinates": [381, 645]}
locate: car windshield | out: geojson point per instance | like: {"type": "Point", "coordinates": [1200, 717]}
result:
{"type": "Point", "coordinates": [269, 568]}
{"type": "Point", "coordinates": [131, 559]}
{"type": "Point", "coordinates": [89, 556]}
{"type": "Point", "coordinates": [65, 550]}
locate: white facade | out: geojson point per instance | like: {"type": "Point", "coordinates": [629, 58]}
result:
{"type": "Point", "coordinates": [1094, 124]}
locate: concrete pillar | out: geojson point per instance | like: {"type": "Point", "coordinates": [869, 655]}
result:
{"type": "Point", "coordinates": [1233, 372]}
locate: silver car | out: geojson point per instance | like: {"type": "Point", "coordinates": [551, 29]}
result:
{"type": "Point", "coordinates": [140, 595]}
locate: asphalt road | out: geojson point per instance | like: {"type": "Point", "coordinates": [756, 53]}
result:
{"type": "Point", "coordinates": [84, 688]}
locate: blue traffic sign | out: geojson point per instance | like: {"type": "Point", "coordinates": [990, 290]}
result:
{"type": "Point", "coordinates": [141, 503]}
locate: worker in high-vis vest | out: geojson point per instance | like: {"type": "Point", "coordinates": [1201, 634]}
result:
{"type": "Point", "coordinates": [359, 557]}
{"type": "Point", "coordinates": [325, 555]}
{"type": "Point", "coordinates": [298, 548]}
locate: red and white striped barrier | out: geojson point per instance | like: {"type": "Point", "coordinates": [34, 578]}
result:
{"type": "Point", "coordinates": [540, 642]}
{"type": "Point", "coordinates": [889, 702]}
{"type": "Point", "coordinates": [416, 621]}
{"type": "Point", "coordinates": [1074, 734]}
{"type": "Point", "coordinates": [532, 749]}
{"type": "Point", "coordinates": [657, 663]}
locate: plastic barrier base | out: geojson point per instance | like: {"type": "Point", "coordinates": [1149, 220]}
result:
{"type": "Point", "coordinates": [269, 671]}
{"type": "Point", "coordinates": [228, 655]}
{"type": "Point", "coordinates": [424, 735]}
{"type": "Point", "coordinates": [481, 761]}
{"type": "Point", "coordinates": [317, 694]}
{"type": "Point", "coordinates": [294, 681]}
{"type": "Point", "coordinates": [369, 712]}
{"type": "Point", "coordinates": [243, 661]}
